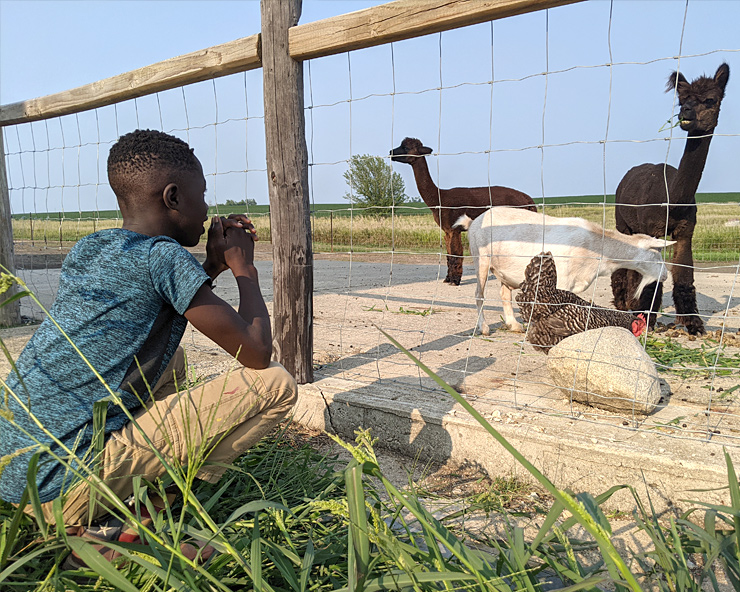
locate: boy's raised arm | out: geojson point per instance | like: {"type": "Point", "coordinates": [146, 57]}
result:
{"type": "Point", "coordinates": [246, 332]}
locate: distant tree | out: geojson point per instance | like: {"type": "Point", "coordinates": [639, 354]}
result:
{"type": "Point", "coordinates": [244, 202]}
{"type": "Point", "coordinates": [374, 184]}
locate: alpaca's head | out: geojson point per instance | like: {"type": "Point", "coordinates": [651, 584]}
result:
{"type": "Point", "coordinates": [700, 99]}
{"type": "Point", "coordinates": [409, 151]}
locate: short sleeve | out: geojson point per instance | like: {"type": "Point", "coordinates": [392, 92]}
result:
{"type": "Point", "coordinates": [175, 273]}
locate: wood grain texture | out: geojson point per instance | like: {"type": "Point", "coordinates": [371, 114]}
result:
{"type": "Point", "coordinates": [10, 314]}
{"type": "Point", "coordinates": [220, 60]}
{"type": "Point", "coordinates": [287, 171]}
{"type": "Point", "coordinates": [399, 20]}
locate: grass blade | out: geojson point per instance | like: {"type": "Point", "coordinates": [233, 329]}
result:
{"type": "Point", "coordinates": [735, 500]}
{"type": "Point", "coordinates": [11, 535]}
{"type": "Point", "coordinates": [256, 554]}
{"type": "Point", "coordinates": [33, 494]}
{"type": "Point", "coordinates": [308, 560]}
{"type": "Point", "coordinates": [99, 564]}
{"type": "Point", "coordinates": [358, 520]}
{"type": "Point", "coordinates": [402, 581]}
{"type": "Point", "coordinates": [28, 558]}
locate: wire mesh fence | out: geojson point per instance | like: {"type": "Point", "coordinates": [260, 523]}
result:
{"type": "Point", "coordinates": [517, 103]}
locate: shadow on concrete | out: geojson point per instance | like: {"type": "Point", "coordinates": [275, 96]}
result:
{"type": "Point", "coordinates": [405, 415]}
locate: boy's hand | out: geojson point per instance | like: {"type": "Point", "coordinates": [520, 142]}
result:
{"type": "Point", "coordinates": [215, 262]}
{"type": "Point", "coordinates": [239, 251]}
{"type": "Point", "coordinates": [240, 221]}
{"type": "Point", "coordinates": [245, 332]}
{"type": "Point", "coordinates": [216, 245]}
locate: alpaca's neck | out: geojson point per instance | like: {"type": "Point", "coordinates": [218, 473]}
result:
{"type": "Point", "coordinates": [686, 181]}
{"type": "Point", "coordinates": [427, 189]}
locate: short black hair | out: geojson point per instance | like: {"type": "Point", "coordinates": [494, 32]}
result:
{"type": "Point", "coordinates": [139, 153]}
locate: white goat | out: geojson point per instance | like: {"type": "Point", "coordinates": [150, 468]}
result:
{"type": "Point", "coordinates": [505, 239]}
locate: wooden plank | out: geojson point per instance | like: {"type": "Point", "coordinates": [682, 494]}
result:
{"type": "Point", "coordinates": [220, 60]}
{"type": "Point", "coordinates": [10, 314]}
{"type": "Point", "coordinates": [403, 19]}
{"type": "Point", "coordinates": [399, 20]}
{"type": "Point", "coordinates": [287, 173]}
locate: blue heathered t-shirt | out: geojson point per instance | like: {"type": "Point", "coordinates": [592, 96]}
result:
{"type": "Point", "coordinates": [121, 300]}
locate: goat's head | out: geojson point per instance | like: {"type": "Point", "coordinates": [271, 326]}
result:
{"type": "Point", "coordinates": [409, 150]}
{"type": "Point", "coordinates": [651, 263]}
{"type": "Point", "coordinates": [700, 99]}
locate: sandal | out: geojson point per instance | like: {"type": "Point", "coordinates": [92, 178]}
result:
{"type": "Point", "coordinates": [114, 530]}
{"type": "Point", "coordinates": [107, 531]}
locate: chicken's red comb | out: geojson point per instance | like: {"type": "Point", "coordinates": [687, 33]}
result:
{"type": "Point", "coordinates": [638, 325]}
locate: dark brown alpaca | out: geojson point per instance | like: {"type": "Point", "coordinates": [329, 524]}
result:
{"type": "Point", "coordinates": [448, 205]}
{"type": "Point", "coordinates": [645, 185]}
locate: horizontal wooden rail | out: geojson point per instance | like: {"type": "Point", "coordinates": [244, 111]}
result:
{"type": "Point", "coordinates": [220, 60]}
{"type": "Point", "coordinates": [403, 19]}
{"type": "Point", "coordinates": [394, 21]}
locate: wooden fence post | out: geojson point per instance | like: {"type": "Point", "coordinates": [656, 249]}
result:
{"type": "Point", "coordinates": [287, 170]}
{"type": "Point", "coordinates": [10, 314]}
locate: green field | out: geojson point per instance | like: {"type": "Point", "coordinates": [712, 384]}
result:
{"type": "Point", "coordinates": [701, 198]}
{"type": "Point", "coordinates": [345, 209]}
{"type": "Point", "coordinates": [338, 227]}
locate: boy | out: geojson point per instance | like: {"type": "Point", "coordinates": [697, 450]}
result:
{"type": "Point", "coordinates": [125, 297]}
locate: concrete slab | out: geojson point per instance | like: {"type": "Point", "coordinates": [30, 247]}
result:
{"type": "Point", "coordinates": [575, 454]}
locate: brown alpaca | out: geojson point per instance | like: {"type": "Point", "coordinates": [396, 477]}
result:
{"type": "Point", "coordinates": [645, 185]}
{"type": "Point", "coordinates": [448, 205]}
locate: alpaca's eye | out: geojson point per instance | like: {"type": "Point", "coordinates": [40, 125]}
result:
{"type": "Point", "coordinates": [709, 102]}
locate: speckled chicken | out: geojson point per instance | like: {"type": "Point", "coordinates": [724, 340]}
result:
{"type": "Point", "coordinates": [555, 314]}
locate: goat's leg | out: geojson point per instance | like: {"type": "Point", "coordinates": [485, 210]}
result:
{"type": "Point", "coordinates": [684, 292]}
{"type": "Point", "coordinates": [482, 275]}
{"type": "Point", "coordinates": [509, 319]}
{"type": "Point", "coordinates": [453, 244]}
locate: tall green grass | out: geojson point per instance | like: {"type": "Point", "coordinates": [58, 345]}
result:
{"type": "Point", "coordinates": [288, 518]}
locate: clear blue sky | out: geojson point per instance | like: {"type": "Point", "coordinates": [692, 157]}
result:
{"type": "Point", "coordinates": [46, 47]}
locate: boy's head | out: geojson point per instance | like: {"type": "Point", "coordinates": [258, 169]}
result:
{"type": "Point", "coordinates": [141, 158]}
{"type": "Point", "coordinates": [155, 174]}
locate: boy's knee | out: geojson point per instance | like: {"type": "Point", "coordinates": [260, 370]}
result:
{"type": "Point", "coordinates": [280, 381]}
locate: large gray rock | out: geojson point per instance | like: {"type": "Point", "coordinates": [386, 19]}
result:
{"type": "Point", "coordinates": [606, 368]}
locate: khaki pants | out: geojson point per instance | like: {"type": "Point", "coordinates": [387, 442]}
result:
{"type": "Point", "coordinates": [223, 418]}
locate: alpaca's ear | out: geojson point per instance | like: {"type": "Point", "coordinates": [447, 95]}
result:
{"type": "Point", "coordinates": [675, 80]}
{"type": "Point", "coordinates": [722, 76]}
{"type": "Point", "coordinates": [425, 150]}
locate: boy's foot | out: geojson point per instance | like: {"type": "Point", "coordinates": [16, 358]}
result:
{"type": "Point", "coordinates": [113, 530]}
{"type": "Point", "coordinates": [108, 531]}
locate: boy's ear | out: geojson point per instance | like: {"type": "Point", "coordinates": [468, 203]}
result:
{"type": "Point", "coordinates": [171, 196]}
